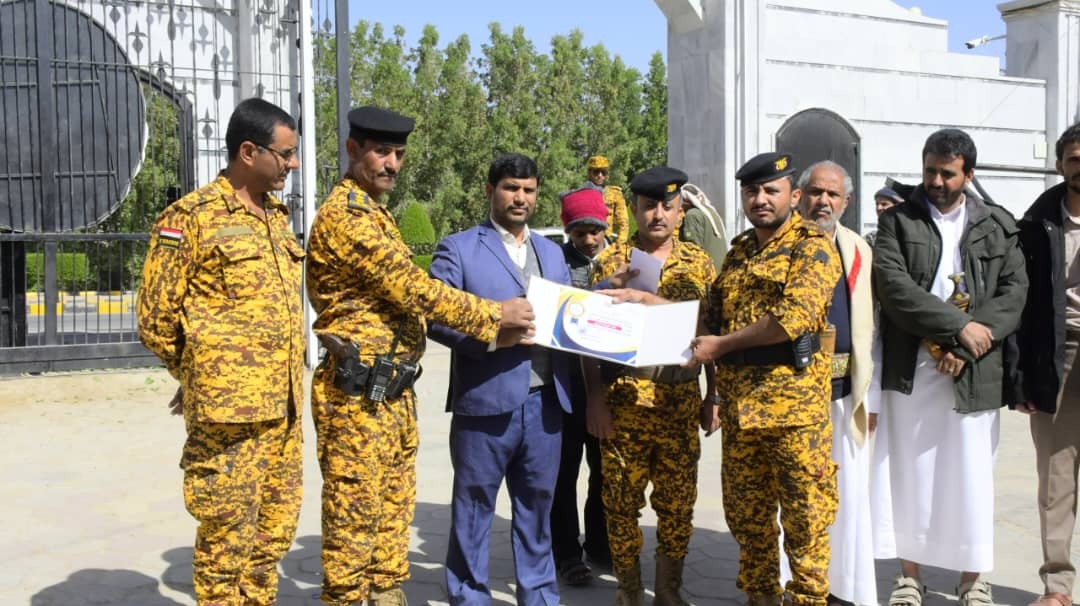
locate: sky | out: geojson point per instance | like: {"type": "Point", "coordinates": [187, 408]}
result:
{"type": "Point", "coordinates": [632, 29]}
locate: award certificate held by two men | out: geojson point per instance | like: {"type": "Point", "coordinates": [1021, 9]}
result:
{"type": "Point", "coordinates": [591, 324]}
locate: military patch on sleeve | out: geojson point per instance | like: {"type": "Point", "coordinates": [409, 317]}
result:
{"type": "Point", "coordinates": [169, 237]}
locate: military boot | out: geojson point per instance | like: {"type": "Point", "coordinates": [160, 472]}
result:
{"type": "Point", "coordinates": [630, 591]}
{"type": "Point", "coordinates": [668, 581]}
{"type": "Point", "coordinates": [391, 596]}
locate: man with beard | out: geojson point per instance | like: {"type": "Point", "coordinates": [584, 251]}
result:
{"type": "Point", "coordinates": [220, 305]}
{"type": "Point", "coordinates": [826, 192]}
{"type": "Point", "coordinates": [1043, 379]}
{"type": "Point", "coordinates": [768, 308]}
{"type": "Point", "coordinates": [941, 370]}
{"type": "Point", "coordinates": [647, 418]}
{"type": "Point", "coordinates": [371, 301]}
{"type": "Point", "coordinates": [584, 218]}
{"type": "Point", "coordinates": [508, 405]}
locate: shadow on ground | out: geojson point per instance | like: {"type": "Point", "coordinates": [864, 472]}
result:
{"type": "Point", "coordinates": [98, 586]}
{"type": "Point", "coordinates": [709, 576]}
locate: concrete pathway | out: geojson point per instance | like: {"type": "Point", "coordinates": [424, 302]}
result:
{"type": "Point", "coordinates": [92, 512]}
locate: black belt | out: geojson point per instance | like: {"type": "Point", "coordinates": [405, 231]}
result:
{"type": "Point", "coordinates": [539, 388]}
{"type": "Point", "coordinates": [666, 375]}
{"type": "Point", "coordinates": [778, 354]}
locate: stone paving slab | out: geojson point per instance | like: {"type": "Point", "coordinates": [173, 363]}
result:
{"type": "Point", "coordinates": [92, 510]}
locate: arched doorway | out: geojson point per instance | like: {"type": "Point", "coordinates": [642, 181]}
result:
{"type": "Point", "coordinates": [818, 134]}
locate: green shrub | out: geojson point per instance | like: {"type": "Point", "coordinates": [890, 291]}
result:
{"type": "Point", "coordinates": [422, 261]}
{"type": "Point", "coordinates": [72, 271]}
{"type": "Point", "coordinates": [415, 226]}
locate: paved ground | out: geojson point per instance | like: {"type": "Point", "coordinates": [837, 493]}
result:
{"type": "Point", "coordinates": [92, 512]}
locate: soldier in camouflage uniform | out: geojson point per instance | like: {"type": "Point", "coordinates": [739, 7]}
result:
{"type": "Point", "coordinates": [647, 418]}
{"type": "Point", "coordinates": [220, 305]}
{"type": "Point", "coordinates": [618, 220]}
{"type": "Point", "coordinates": [775, 288]}
{"type": "Point", "coordinates": [366, 290]}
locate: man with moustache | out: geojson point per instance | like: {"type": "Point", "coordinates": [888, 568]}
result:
{"type": "Point", "coordinates": [768, 309]}
{"type": "Point", "coordinates": [826, 192]}
{"type": "Point", "coordinates": [938, 426]}
{"type": "Point", "coordinates": [371, 302]}
{"type": "Point", "coordinates": [508, 405]}
{"type": "Point", "coordinates": [647, 418]}
{"type": "Point", "coordinates": [1042, 377]}
{"type": "Point", "coordinates": [584, 218]}
{"type": "Point", "coordinates": [220, 305]}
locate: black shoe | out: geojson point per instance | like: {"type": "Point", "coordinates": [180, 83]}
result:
{"type": "Point", "coordinates": [600, 560]}
{"type": "Point", "coordinates": [835, 601]}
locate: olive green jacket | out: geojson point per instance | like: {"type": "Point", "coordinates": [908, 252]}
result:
{"type": "Point", "coordinates": [907, 252]}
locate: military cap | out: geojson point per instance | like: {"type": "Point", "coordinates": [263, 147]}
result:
{"type": "Point", "coordinates": [766, 167]}
{"type": "Point", "coordinates": [379, 125]}
{"type": "Point", "coordinates": [890, 194]}
{"type": "Point", "coordinates": [659, 183]}
{"type": "Point", "coordinates": [584, 206]}
{"type": "Point", "coordinates": [598, 162]}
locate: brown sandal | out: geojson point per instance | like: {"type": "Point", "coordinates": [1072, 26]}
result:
{"type": "Point", "coordinates": [1053, 599]}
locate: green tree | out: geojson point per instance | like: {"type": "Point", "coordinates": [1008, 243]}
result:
{"type": "Point", "coordinates": [558, 108]}
{"type": "Point", "coordinates": [654, 118]}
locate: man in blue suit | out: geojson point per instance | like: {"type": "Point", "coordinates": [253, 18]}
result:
{"type": "Point", "coordinates": [508, 403]}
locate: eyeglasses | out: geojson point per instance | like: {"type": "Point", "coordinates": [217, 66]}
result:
{"type": "Point", "coordinates": [599, 171]}
{"type": "Point", "coordinates": [286, 156]}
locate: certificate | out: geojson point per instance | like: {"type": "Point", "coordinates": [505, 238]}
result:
{"type": "Point", "coordinates": [583, 322]}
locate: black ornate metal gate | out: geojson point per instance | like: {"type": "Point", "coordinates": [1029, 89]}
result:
{"type": "Point", "coordinates": [109, 111]}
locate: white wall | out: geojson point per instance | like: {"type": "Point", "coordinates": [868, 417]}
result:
{"type": "Point", "coordinates": [752, 66]}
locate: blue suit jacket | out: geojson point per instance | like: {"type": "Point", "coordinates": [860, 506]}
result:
{"type": "Point", "coordinates": [483, 383]}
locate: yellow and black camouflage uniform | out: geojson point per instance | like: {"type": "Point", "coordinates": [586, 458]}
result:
{"type": "Point", "coordinates": [777, 438]}
{"type": "Point", "coordinates": [364, 286]}
{"type": "Point", "coordinates": [220, 304]}
{"type": "Point", "coordinates": [618, 218]}
{"type": "Point", "coordinates": [655, 427]}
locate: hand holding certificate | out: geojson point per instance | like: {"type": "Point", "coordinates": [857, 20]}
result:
{"type": "Point", "coordinates": [592, 324]}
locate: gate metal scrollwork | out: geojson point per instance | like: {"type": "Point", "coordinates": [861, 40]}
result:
{"type": "Point", "coordinates": [109, 110]}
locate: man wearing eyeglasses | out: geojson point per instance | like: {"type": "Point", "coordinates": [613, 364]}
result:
{"type": "Point", "coordinates": [220, 305]}
{"type": "Point", "coordinates": [618, 219]}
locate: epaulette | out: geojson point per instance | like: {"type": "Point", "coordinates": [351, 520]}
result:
{"type": "Point", "coordinates": [743, 237]}
{"type": "Point", "coordinates": [357, 203]}
{"type": "Point", "coordinates": [204, 195]}
{"type": "Point", "coordinates": [617, 189]}
{"type": "Point", "coordinates": [1003, 217]}
{"type": "Point", "coordinates": [809, 228]}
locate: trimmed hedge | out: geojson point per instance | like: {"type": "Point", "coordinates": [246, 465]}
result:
{"type": "Point", "coordinates": [72, 271]}
{"type": "Point", "coordinates": [416, 228]}
{"type": "Point", "coordinates": [422, 261]}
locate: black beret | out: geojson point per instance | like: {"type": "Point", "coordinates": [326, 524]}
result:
{"type": "Point", "coordinates": [766, 167]}
{"type": "Point", "coordinates": [658, 183]}
{"type": "Point", "coordinates": [379, 125]}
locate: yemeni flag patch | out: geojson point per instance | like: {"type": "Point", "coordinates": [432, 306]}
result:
{"type": "Point", "coordinates": [169, 237]}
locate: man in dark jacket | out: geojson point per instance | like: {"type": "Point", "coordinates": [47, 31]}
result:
{"type": "Point", "coordinates": [584, 216]}
{"type": "Point", "coordinates": [950, 278]}
{"type": "Point", "coordinates": [1040, 378]}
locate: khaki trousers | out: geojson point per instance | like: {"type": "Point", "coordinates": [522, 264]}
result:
{"type": "Point", "coordinates": [1057, 455]}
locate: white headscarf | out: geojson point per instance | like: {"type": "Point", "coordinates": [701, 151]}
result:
{"type": "Point", "coordinates": [697, 198]}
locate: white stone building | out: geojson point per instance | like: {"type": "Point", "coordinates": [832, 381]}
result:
{"type": "Point", "coordinates": [869, 80]}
